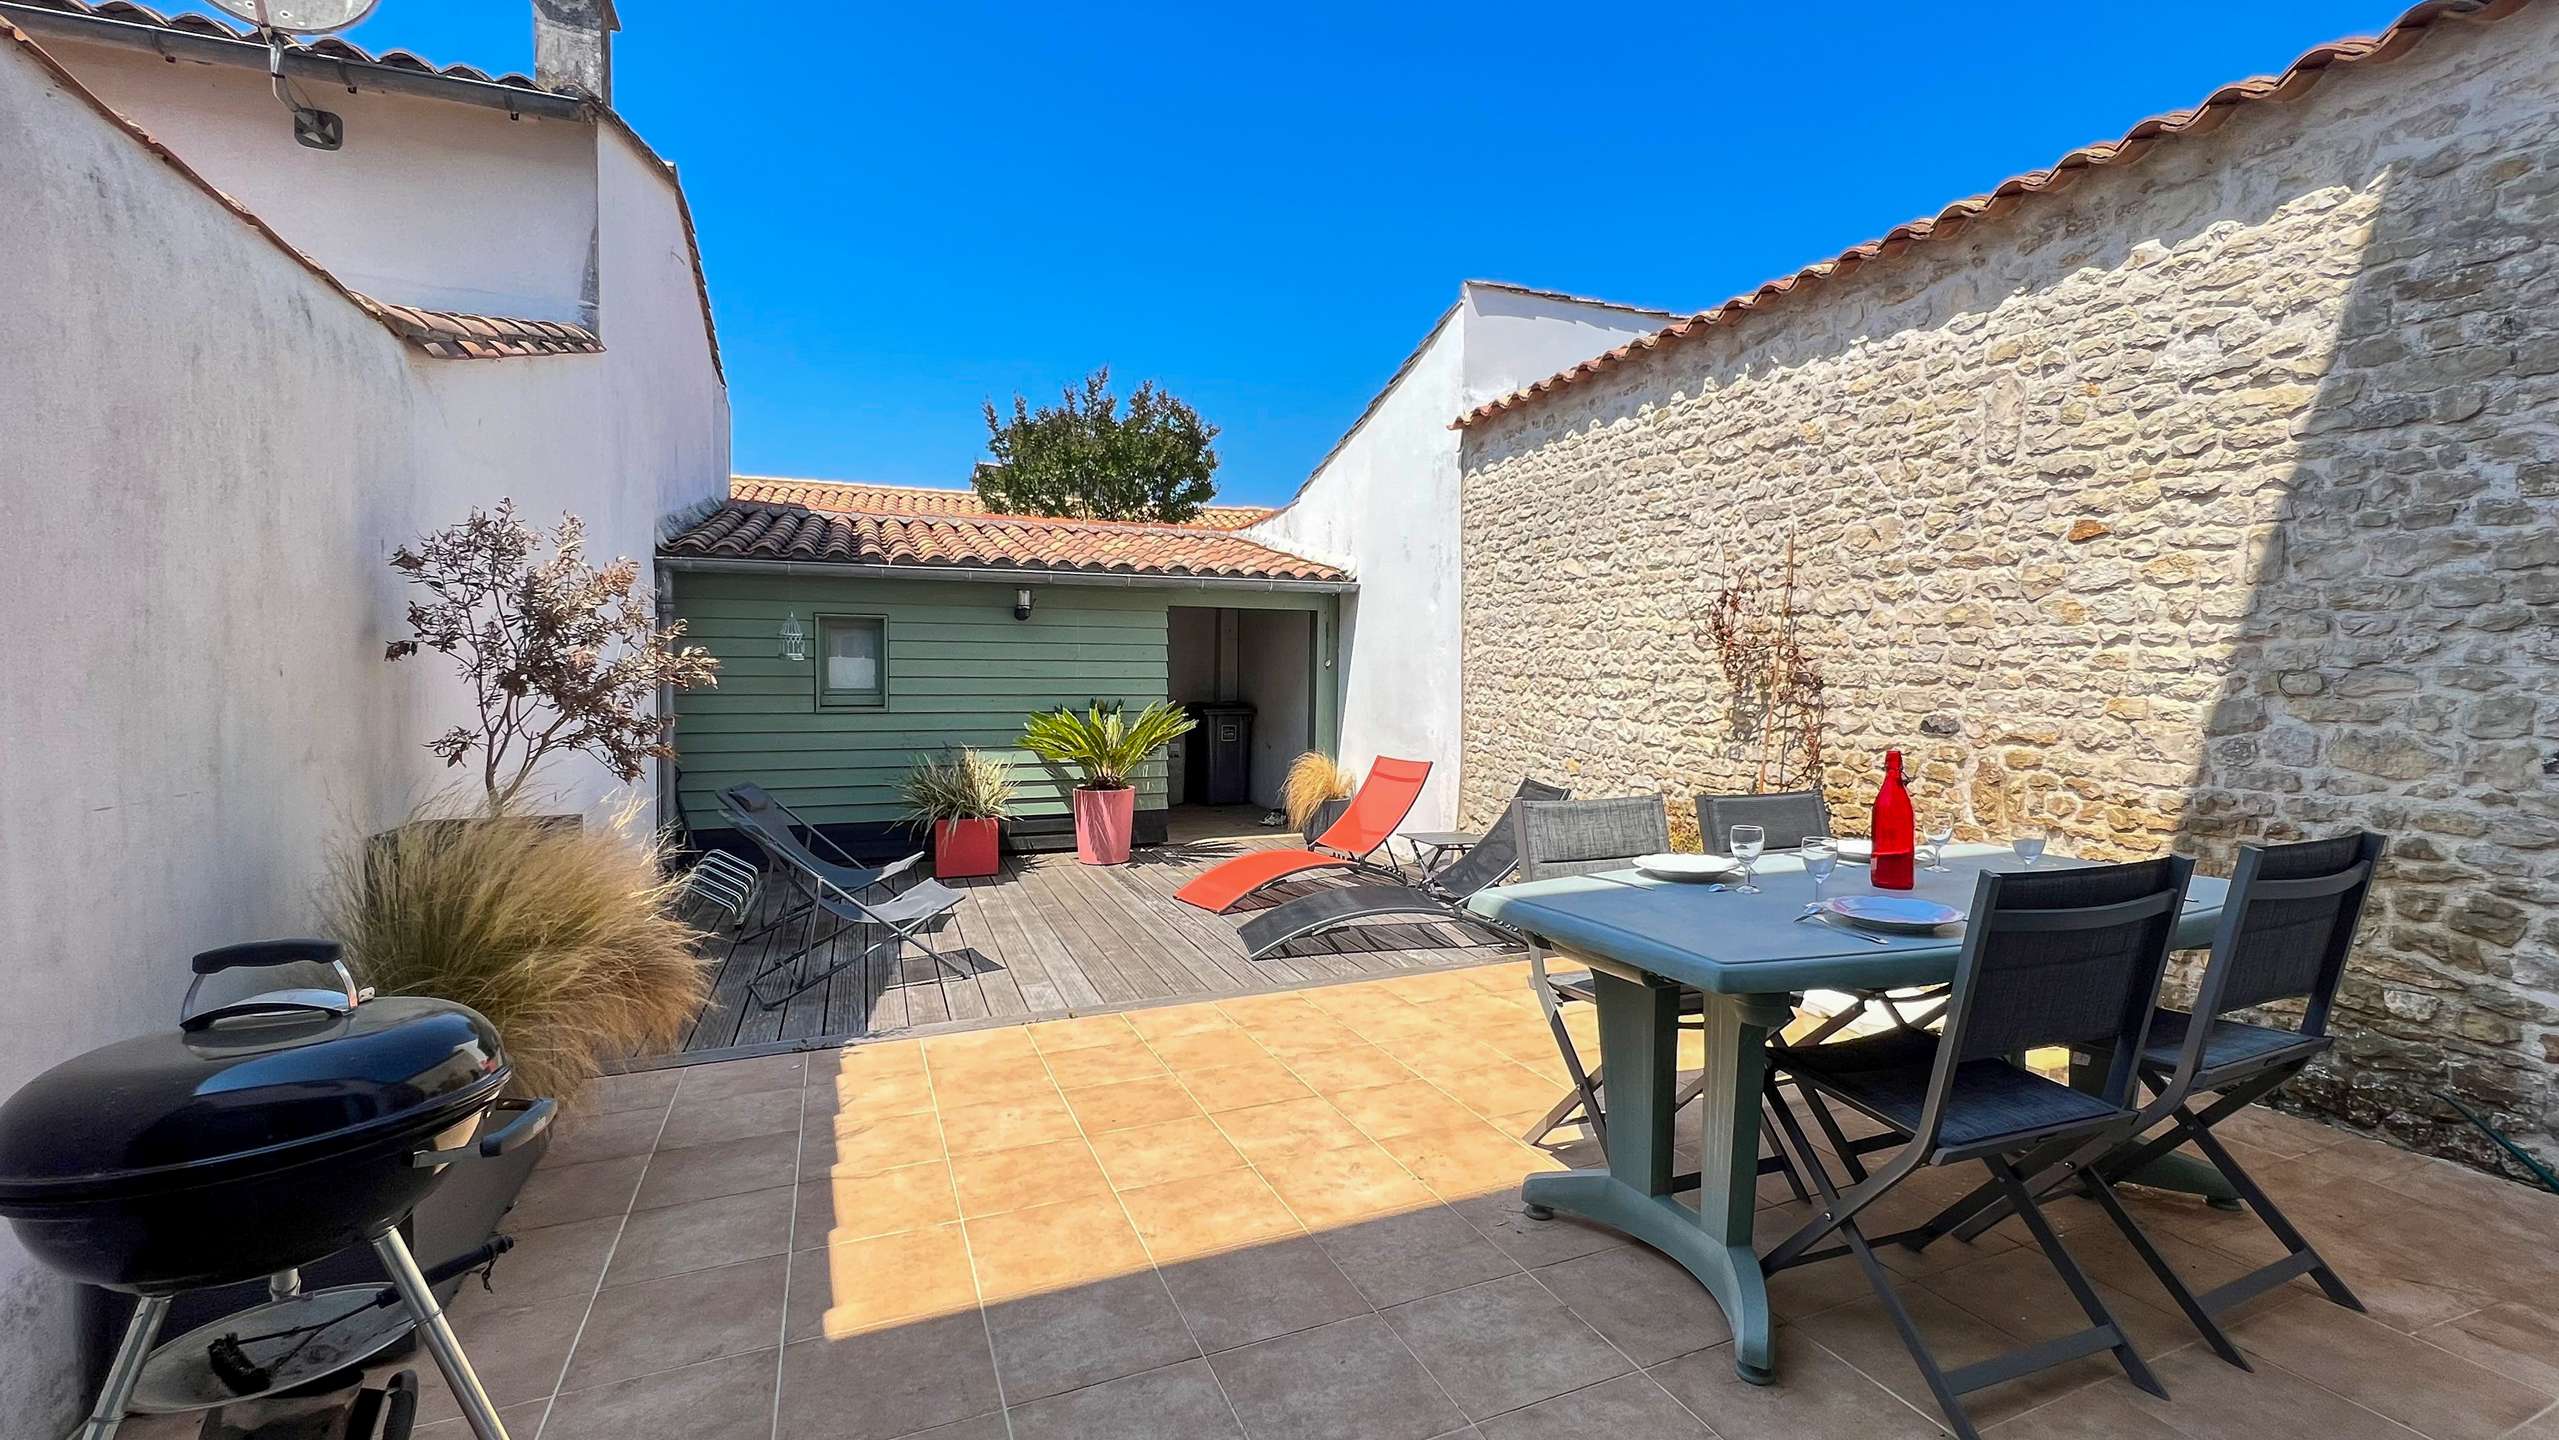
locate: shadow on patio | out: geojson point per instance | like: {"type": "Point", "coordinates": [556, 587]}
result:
{"type": "Point", "coordinates": [1295, 1215]}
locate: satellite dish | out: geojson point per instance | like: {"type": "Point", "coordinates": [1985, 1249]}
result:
{"type": "Point", "coordinates": [299, 17]}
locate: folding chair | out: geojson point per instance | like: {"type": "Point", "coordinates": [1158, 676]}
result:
{"type": "Point", "coordinates": [1583, 837]}
{"type": "Point", "coordinates": [2286, 927]}
{"type": "Point", "coordinates": [1439, 895]}
{"type": "Point", "coordinates": [1791, 817]}
{"type": "Point", "coordinates": [774, 829]}
{"type": "Point", "coordinates": [833, 891]}
{"type": "Point", "coordinates": [2067, 957]}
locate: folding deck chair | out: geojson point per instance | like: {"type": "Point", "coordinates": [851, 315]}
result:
{"type": "Point", "coordinates": [2062, 957]}
{"type": "Point", "coordinates": [2286, 927]}
{"type": "Point", "coordinates": [1440, 895]}
{"type": "Point", "coordinates": [834, 891]}
{"type": "Point", "coordinates": [1384, 799]}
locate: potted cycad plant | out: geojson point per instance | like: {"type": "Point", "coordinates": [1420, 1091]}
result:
{"type": "Point", "coordinates": [1106, 748]}
{"type": "Point", "coordinates": [962, 800]}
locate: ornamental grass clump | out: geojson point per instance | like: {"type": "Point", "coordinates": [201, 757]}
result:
{"type": "Point", "coordinates": [562, 936]}
{"type": "Point", "coordinates": [966, 785]}
{"type": "Point", "coordinates": [1313, 778]}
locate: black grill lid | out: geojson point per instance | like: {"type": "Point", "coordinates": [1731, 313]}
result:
{"type": "Point", "coordinates": [265, 1088]}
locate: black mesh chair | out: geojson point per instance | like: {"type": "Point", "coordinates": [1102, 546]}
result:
{"type": "Point", "coordinates": [1788, 816]}
{"type": "Point", "coordinates": [2063, 957]}
{"type": "Point", "coordinates": [2286, 927]}
{"type": "Point", "coordinates": [1584, 837]}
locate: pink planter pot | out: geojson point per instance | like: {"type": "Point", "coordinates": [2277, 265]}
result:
{"type": "Point", "coordinates": [1103, 822]}
{"type": "Point", "coordinates": [963, 849]}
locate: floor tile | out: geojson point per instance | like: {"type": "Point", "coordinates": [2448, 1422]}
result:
{"type": "Point", "coordinates": [1056, 1037]}
{"type": "Point", "coordinates": [1168, 1021]}
{"type": "Point", "coordinates": [1353, 1067]}
{"type": "Point", "coordinates": [2092, 1412]}
{"type": "Point", "coordinates": [1818, 1396]}
{"type": "Point", "coordinates": [1154, 1154]}
{"type": "Point", "coordinates": [1208, 1050]}
{"type": "Point", "coordinates": [1503, 1219]}
{"type": "Point", "coordinates": [1389, 1110]}
{"type": "Point", "coordinates": [1129, 1059]}
{"type": "Point", "coordinates": [732, 1396]}
{"type": "Point", "coordinates": [2520, 1342]}
{"type": "Point", "coordinates": [860, 1285]}
{"type": "Point", "coordinates": [1023, 1252]}
{"type": "Point", "coordinates": [1641, 1300]}
{"type": "Point", "coordinates": [857, 1144]}
{"type": "Point", "coordinates": [991, 1081]}
{"type": "Point", "coordinates": [869, 1096]}
{"type": "Point", "coordinates": [1863, 1335]}
{"type": "Point", "coordinates": [2213, 1401]}
{"type": "Point", "coordinates": [1234, 1087]}
{"type": "Point", "coordinates": [1130, 1103]}
{"type": "Point", "coordinates": [887, 1383]}
{"type": "Point", "coordinates": [638, 1090]}
{"type": "Point", "coordinates": [1628, 1406]}
{"type": "Point", "coordinates": [2426, 1389]}
{"type": "Point", "coordinates": [609, 1135]}
{"type": "Point", "coordinates": [1350, 1380]}
{"type": "Point", "coordinates": [656, 1325]}
{"type": "Point", "coordinates": [1333, 1187]}
{"type": "Point", "coordinates": [729, 1167]}
{"type": "Point", "coordinates": [730, 1117]}
{"type": "Point", "coordinates": [742, 1077]}
{"type": "Point", "coordinates": [517, 1350]}
{"type": "Point", "coordinates": [1007, 1124]}
{"type": "Point", "coordinates": [1304, 1039]}
{"type": "Point", "coordinates": [1242, 1296]}
{"type": "Point", "coordinates": [1466, 1161]}
{"type": "Point", "coordinates": [556, 1262]}
{"type": "Point", "coordinates": [1183, 1219]}
{"type": "Point", "coordinates": [557, 1195]}
{"type": "Point", "coordinates": [1084, 1334]}
{"type": "Point", "coordinates": [1286, 1126]}
{"type": "Point", "coordinates": [849, 1207]}
{"type": "Point", "coordinates": [1000, 1043]}
{"type": "Point", "coordinates": [1504, 1344]}
{"type": "Point", "coordinates": [2019, 1291]}
{"type": "Point", "coordinates": [1503, 1089]}
{"type": "Point", "coordinates": [1002, 1180]}
{"type": "Point", "coordinates": [1178, 1402]}
{"type": "Point", "coordinates": [701, 1234]}
{"type": "Point", "coordinates": [1395, 1258]}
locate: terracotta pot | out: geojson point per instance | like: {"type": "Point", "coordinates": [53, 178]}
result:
{"type": "Point", "coordinates": [964, 848]}
{"type": "Point", "coordinates": [1103, 820]}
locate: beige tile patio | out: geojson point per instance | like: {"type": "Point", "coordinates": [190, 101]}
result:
{"type": "Point", "coordinates": [1131, 1103]}
{"type": "Point", "coordinates": [1185, 1219]}
{"type": "Point", "coordinates": [1175, 1150]}
{"type": "Point", "coordinates": [995, 1181]}
{"type": "Point", "coordinates": [1047, 1247]}
{"type": "Point", "coordinates": [890, 1278]}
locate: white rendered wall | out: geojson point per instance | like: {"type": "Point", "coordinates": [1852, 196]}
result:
{"type": "Point", "coordinates": [209, 453]}
{"type": "Point", "coordinates": [431, 203]}
{"type": "Point", "coordinates": [1385, 507]}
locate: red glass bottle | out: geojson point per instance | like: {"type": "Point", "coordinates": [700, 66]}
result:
{"type": "Point", "coordinates": [1894, 835]}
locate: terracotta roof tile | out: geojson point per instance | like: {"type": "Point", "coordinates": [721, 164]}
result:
{"type": "Point", "coordinates": [847, 495]}
{"type": "Point", "coordinates": [827, 522]}
{"type": "Point", "coordinates": [486, 337]}
{"type": "Point", "coordinates": [2296, 80]}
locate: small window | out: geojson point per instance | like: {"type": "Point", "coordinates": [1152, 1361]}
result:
{"type": "Point", "coordinates": [852, 660]}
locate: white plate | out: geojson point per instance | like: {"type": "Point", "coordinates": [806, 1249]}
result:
{"type": "Point", "coordinates": [1892, 912]}
{"type": "Point", "coordinates": [1857, 852]}
{"type": "Point", "coordinates": [1686, 867]}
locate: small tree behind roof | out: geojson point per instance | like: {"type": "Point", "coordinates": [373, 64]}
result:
{"type": "Point", "coordinates": [560, 656]}
{"type": "Point", "coordinates": [1084, 457]}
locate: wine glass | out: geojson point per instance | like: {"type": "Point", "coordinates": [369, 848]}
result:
{"type": "Point", "coordinates": [1747, 842]}
{"type": "Point", "coordinates": [2029, 843]}
{"type": "Point", "coordinates": [1941, 832]}
{"type": "Point", "coordinates": [1821, 857]}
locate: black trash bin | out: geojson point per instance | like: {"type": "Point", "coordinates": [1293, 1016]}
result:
{"type": "Point", "coordinates": [1221, 753]}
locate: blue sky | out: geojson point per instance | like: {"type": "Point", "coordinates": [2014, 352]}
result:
{"type": "Point", "coordinates": [915, 208]}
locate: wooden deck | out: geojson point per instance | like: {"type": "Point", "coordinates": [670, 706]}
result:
{"type": "Point", "coordinates": [1049, 937]}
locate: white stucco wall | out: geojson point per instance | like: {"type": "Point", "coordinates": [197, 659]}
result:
{"type": "Point", "coordinates": [431, 203]}
{"type": "Point", "coordinates": [208, 455]}
{"type": "Point", "coordinates": [1384, 505]}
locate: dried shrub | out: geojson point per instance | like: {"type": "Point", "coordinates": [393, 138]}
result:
{"type": "Point", "coordinates": [563, 937]}
{"type": "Point", "coordinates": [1313, 778]}
{"type": "Point", "coordinates": [1775, 689]}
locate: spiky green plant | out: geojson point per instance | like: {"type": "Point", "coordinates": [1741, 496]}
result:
{"type": "Point", "coordinates": [965, 785]}
{"type": "Point", "coordinates": [1101, 743]}
{"type": "Point", "coordinates": [563, 937]}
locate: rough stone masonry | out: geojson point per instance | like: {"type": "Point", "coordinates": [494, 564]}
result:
{"type": "Point", "coordinates": [2211, 498]}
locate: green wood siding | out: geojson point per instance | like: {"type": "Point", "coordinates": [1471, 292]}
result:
{"type": "Point", "coordinates": [961, 671]}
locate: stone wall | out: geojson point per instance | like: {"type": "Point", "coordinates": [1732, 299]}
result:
{"type": "Point", "coordinates": [2211, 498]}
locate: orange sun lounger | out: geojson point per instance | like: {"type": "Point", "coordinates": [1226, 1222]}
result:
{"type": "Point", "coordinates": [1384, 799]}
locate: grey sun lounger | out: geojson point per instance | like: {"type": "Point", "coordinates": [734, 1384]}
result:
{"type": "Point", "coordinates": [1439, 896]}
{"type": "Point", "coordinates": [833, 891]}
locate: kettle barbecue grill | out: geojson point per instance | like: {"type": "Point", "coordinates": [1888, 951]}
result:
{"type": "Point", "coordinates": [260, 1136]}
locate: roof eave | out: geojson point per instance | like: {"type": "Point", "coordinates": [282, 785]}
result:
{"type": "Point", "coordinates": [996, 574]}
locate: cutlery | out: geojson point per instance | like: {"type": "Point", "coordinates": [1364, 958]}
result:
{"type": "Point", "coordinates": [1826, 925]}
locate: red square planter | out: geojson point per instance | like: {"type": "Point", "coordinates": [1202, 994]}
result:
{"type": "Point", "coordinates": [965, 848]}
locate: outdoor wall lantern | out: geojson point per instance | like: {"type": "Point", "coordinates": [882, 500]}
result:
{"type": "Point", "coordinates": [795, 641]}
{"type": "Point", "coordinates": [1022, 603]}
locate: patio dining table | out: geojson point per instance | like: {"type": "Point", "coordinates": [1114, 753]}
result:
{"type": "Point", "coordinates": [1644, 940]}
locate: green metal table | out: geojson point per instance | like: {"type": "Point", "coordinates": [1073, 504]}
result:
{"type": "Point", "coordinates": [1646, 939]}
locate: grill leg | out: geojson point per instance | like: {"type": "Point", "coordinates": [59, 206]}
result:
{"type": "Point", "coordinates": [437, 1332]}
{"type": "Point", "coordinates": [126, 1372]}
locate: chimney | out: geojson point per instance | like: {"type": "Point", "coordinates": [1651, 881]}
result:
{"type": "Point", "coordinates": [573, 45]}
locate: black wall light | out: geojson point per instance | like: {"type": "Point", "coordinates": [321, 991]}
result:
{"type": "Point", "coordinates": [1022, 603]}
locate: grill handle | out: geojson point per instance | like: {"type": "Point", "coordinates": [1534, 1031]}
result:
{"type": "Point", "coordinates": [262, 953]}
{"type": "Point", "coordinates": [532, 1117]}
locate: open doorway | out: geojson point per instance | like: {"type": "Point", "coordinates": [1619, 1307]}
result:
{"type": "Point", "coordinates": [1249, 676]}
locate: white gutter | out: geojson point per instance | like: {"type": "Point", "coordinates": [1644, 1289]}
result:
{"type": "Point", "coordinates": [996, 575]}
